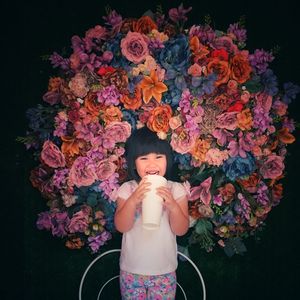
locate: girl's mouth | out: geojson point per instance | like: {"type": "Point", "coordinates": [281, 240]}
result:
{"type": "Point", "coordinates": [152, 173]}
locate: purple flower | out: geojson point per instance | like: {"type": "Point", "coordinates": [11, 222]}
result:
{"type": "Point", "coordinates": [95, 242]}
{"type": "Point", "coordinates": [109, 96]}
{"type": "Point", "coordinates": [243, 208]}
{"type": "Point", "coordinates": [290, 92]}
{"type": "Point", "coordinates": [58, 61]}
{"type": "Point", "coordinates": [179, 14]}
{"type": "Point", "coordinates": [204, 32]}
{"type": "Point", "coordinates": [60, 222]}
{"type": "Point", "coordinates": [44, 221]}
{"type": "Point", "coordinates": [262, 197]}
{"type": "Point", "coordinates": [239, 32]}
{"type": "Point", "coordinates": [260, 60]}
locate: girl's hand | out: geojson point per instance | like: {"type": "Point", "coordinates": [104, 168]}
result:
{"type": "Point", "coordinates": [169, 201]}
{"type": "Point", "coordinates": [138, 195]}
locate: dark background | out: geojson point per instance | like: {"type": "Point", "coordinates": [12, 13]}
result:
{"type": "Point", "coordinates": [38, 266]}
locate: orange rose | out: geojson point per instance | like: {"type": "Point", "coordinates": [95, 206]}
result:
{"type": "Point", "coordinates": [91, 104]}
{"type": "Point", "coordinates": [277, 191]}
{"type": "Point", "coordinates": [251, 183]}
{"type": "Point", "coordinates": [227, 192]}
{"type": "Point", "coordinates": [74, 243]}
{"type": "Point", "coordinates": [159, 118]}
{"type": "Point", "coordinates": [55, 83]}
{"type": "Point", "coordinates": [244, 119]}
{"type": "Point", "coordinates": [144, 25]}
{"type": "Point", "coordinates": [200, 149]}
{"type": "Point", "coordinates": [132, 102]}
{"type": "Point", "coordinates": [221, 68]}
{"type": "Point", "coordinates": [112, 114]}
{"type": "Point", "coordinates": [240, 68]}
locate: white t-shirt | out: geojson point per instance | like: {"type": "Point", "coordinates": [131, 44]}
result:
{"type": "Point", "coordinates": [149, 252]}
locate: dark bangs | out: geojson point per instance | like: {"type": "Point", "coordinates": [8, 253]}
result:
{"type": "Point", "coordinates": [142, 142]}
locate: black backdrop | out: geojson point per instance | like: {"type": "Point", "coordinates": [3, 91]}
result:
{"type": "Point", "coordinates": [37, 266]}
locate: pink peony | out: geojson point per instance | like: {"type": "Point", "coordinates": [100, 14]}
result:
{"type": "Point", "coordinates": [52, 156]}
{"type": "Point", "coordinates": [82, 172]}
{"type": "Point", "coordinates": [134, 47]}
{"type": "Point", "coordinates": [227, 120]}
{"type": "Point", "coordinates": [175, 122]}
{"type": "Point", "coordinates": [105, 168]}
{"type": "Point", "coordinates": [272, 167]}
{"type": "Point", "coordinates": [79, 221]}
{"type": "Point", "coordinates": [181, 142]}
{"type": "Point", "coordinates": [117, 132]}
{"type": "Point", "coordinates": [215, 157]}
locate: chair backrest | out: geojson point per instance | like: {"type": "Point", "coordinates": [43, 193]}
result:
{"type": "Point", "coordinates": [98, 258]}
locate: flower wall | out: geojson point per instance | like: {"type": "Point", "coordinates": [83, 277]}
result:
{"type": "Point", "coordinates": [220, 107]}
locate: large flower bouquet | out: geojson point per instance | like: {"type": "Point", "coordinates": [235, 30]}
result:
{"type": "Point", "coordinates": [218, 105]}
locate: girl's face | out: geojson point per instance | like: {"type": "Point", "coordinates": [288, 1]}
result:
{"type": "Point", "coordinates": [151, 164]}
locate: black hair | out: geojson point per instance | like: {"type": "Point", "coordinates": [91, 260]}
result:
{"type": "Point", "coordinates": [142, 142]}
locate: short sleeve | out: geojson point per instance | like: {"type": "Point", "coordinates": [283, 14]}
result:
{"type": "Point", "coordinates": [124, 190]}
{"type": "Point", "coordinates": [178, 190]}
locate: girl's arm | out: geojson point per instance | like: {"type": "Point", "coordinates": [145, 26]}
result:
{"type": "Point", "coordinates": [178, 211]}
{"type": "Point", "coordinates": [124, 216]}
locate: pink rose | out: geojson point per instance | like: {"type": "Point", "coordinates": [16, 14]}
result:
{"type": "Point", "coordinates": [105, 168]}
{"type": "Point", "coordinates": [215, 157]}
{"type": "Point", "coordinates": [272, 167]}
{"type": "Point", "coordinates": [227, 120]}
{"type": "Point", "coordinates": [82, 172]}
{"type": "Point", "coordinates": [195, 70]}
{"type": "Point", "coordinates": [134, 47]}
{"type": "Point", "coordinates": [52, 156]}
{"type": "Point", "coordinates": [117, 132]}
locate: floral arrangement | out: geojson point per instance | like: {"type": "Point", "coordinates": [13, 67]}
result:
{"type": "Point", "coordinates": [217, 104]}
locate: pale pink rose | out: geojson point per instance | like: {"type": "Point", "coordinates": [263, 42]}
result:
{"type": "Point", "coordinates": [272, 167]}
{"type": "Point", "coordinates": [202, 191]}
{"type": "Point", "coordinates": [245, 97]}
{"type": "Point", "coordinates": [181, 142]}
{"type": "Point", "coordinates": [82, 172]}
{"type": "Point", "coordinates": [105, 168]}
{"type": "Point", "coordinates": [205, 211]}
{"type": "Point", "coordinates": [162, 135]}
{"type": "Point", "coordinates": [118, 132]}
{"type": "Point", "coordinates": [78, 85]}
{"type": "Point", "coordinates": [52, 156]}
{"type": "Point", "coordinates": [79, 221]}
{"type": "Point", "coordinates": [135, 47]}
{"type": "Point", "coordinates": [175, 122]}
{"type": "Point", "coordinates": [69, 200]}
{"type": "Point", "coordinates": [227, 120]}
{"type": "Point", "coordinates": [195, 70]}
{"type": "Point", "coordinates": [215, 156]}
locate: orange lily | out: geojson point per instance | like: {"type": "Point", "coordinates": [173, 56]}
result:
{"type": "Point", "coordinates": [151, 87]}
{"type": "Point", "coordinates": [70, 145]}
{"type": "Point", "coordinates": [285, 137]}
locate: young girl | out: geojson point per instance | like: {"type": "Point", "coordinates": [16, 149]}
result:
{"type": "Point", "coordinates": [149, 257]}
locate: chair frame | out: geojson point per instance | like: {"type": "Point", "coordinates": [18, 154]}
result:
{"type": "Point", "coordinates": [117, 276]}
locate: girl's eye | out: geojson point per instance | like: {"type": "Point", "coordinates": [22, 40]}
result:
{"type": "Point", "coordinates": [159, 156]}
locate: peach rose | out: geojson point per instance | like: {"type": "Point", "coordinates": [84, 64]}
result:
{"type": "Point", "coordinates": [182, 142]}
{"type": "Point", "coordinates": [175, 122]}
{"type": "Point", "coordinates": [112, 114]}
{"type": "Point", "coordinates": [244, 119]}
{"type": "Point", "coordinates": [159, 118]}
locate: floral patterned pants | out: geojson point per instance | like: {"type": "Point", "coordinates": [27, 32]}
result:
{"type": "Point", "coordinates": [142, 287]}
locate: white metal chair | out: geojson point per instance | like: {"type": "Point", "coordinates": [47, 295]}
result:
{"type": "Point", "coordinates": [117, 276]}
